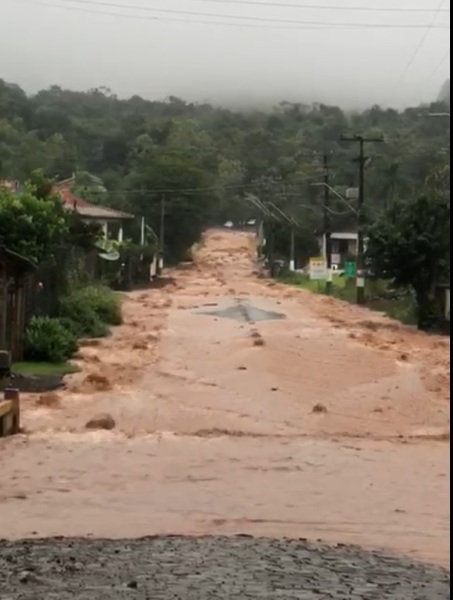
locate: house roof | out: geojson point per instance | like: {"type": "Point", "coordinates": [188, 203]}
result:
{"type": "Point", "coordinates": [71, 202]}
{"type": "Point", "coordinates": [87, 209]}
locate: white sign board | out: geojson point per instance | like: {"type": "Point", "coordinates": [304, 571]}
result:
{"type": "Point", "coordinates": [318, 269]}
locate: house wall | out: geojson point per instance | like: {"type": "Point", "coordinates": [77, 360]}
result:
{"type": "Point", "coordinates": [110, 229]}
{"type": "Point", "coordinates": [343, 246]}
{"type": "Point", "coordinates": [11, 186]}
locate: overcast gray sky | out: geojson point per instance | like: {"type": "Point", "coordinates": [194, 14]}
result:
{"type": "Point", "coordinates": [247, 51]}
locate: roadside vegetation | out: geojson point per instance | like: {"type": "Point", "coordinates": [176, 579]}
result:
{"type": "Point", "coordinates": [399, 304]}
{"type": "Point", "coordinates": [409, 244]}
{"type": "Point", "coordinates": [86, 312]}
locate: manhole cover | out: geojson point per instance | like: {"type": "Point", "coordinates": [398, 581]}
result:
{"type": "Point", "coordinates": [245, 314]}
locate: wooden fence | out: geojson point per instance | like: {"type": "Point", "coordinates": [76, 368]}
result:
{"type": "Point", "coordinates": [26, 292]}
{"type": "Point", "coordinates": [14, 271]}
{"type": "Point", "coordinates": [10, 413]}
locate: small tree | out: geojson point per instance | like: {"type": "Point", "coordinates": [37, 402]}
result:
{"type": "Point", "coordinates": [410, 244]}
{"type": "Point", "coordinates": [31, 226]}
{"type": "Point", "coordinates": [188, 203]}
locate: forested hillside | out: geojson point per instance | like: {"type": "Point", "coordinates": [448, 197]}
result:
{"type": "Point", "coordinates": [205, 160]}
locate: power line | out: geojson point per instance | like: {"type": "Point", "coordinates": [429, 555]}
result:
{"type": "Point", "coordinates": [232, 187]}
{"type": "Point", "coordinates": [371, 9]}
{"type": "Point", "coordinates": [160, 19]}
{"type": "Point", "coordinates": [157, 19]}
{"type": "Point", "coordinates": [255, 19]}
{"type": "Point", "coordinates": [422, 42]}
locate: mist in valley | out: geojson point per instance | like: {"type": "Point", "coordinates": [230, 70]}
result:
{"type": "Point", "coordinates": [236, 53]}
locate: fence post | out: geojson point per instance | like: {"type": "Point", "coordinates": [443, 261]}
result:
{"type": "Point", "coordinates": [13, 395]}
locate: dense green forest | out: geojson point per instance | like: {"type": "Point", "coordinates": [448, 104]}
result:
{"type": "Point", "coordinates": [207, 165]}
{"type": "Point", "coordinates": [207, 161]}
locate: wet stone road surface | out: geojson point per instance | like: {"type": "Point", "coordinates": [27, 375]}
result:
{"type": "Point", "coordinates": [171, 568]}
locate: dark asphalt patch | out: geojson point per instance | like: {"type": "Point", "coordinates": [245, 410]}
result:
{"type": "Point", "coordinates": [245, 314]}
{"type": "Point", "coordinates": [173, 568]}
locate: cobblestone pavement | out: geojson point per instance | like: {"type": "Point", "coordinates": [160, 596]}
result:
{"type": "Point", "coordinates": [174, 568]}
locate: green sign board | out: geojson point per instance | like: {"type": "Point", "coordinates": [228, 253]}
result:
{"type": "Point", "coordinates": [350, 270]}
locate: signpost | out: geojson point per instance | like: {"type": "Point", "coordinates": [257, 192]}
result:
{"type": "Point", "coordinates": [318, 269]}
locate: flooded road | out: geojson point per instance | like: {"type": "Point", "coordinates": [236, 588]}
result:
{"type": "Point", "coordinates": [242, 406]}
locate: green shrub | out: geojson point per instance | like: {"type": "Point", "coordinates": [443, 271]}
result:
{"type": "Point", "coordinates": [402, 309]}
{"type": "Point", "coordinates": [105, 303]}
{"type": "Point", "coordinates": [49, 340]}
{"type": "Point", "coordinates": [88, 310]}
{"type": "Point", "coordinates": [81, 318]}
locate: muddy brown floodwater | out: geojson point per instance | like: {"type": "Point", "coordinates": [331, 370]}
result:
{"type": "Point", "coordinates": [241, 406]}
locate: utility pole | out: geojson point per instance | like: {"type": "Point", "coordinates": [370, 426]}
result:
{"type": "Point", "coordinates": [293, 224]}
{"type": "Point", "coordinates": [292, 259]}
{"type": "Point", "coordinates": [328, 225]}
{"type": "Point", "coordinates": [292, 238]}
{"type": "Point", "coordinates": [361, 218]}
{"type": "Point", "coordinates": [327, 219]}
{"type": "Point", "coordinates": [270, 236]}
{"type": "Point", "coordinates": [271, 250]}
{"type": "Point", "coordinates": [162, 235]}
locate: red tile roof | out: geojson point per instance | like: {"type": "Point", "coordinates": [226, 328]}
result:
{"type": "Point", "coordinates": [71, 202]}
{"type": "Point", "coordinates": [86, 209]}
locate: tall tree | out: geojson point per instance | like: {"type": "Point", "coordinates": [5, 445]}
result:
{"type": "Point", "coordinates": [410, 244]}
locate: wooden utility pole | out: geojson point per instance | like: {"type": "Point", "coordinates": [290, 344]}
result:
{"type": "Point", "coordinates": [361, 217]}
{"type": "Point", "coordinates": [292, 258]}
{"type": "Point", "coordinates": [162, 236]}
{"type": "Point", "coordinates": [271, 254]}
{"type": "Point", "coordinates": [327, 219]}
{"type": "Point", "coordinates": [292, 239]}
{"type": "Point", "coordinates": [327, 224]}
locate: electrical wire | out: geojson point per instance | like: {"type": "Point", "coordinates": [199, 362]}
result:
{"type": "Point", "coordinates": [231, 187]}
{"type": "Point", "coordinates": [371, 9]}
{"type": "Point", "coordinates": [156, 19]}
{"type": "Point", "coordinates": [184, 21]}
{"type": "Point", "coordinates": [421, 43]}
{"type": "Point", "coordinates": [246, 19]}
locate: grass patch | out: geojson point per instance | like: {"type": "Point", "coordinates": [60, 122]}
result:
{"type": "Point", "coordinates": [317, 287]}
{"type": "Point", "coordinates": [42, 369]}
{"type": "Point", "coordinates": [398, 306]}
{"type": "Point", "coordinates": [401, 309]}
